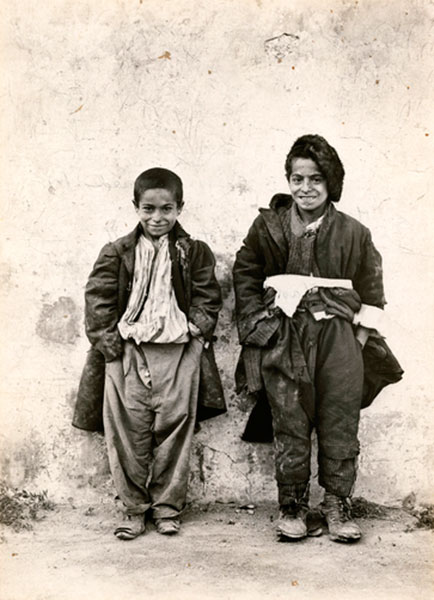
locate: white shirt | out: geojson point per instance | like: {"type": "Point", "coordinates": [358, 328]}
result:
{"type": "Point", "coordinates": [152, 313]}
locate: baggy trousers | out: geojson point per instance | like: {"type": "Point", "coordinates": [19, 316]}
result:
{"type": "Point", "coordinates": [149, 424]}
{"type": "Point", "coordinates": [334, 359]}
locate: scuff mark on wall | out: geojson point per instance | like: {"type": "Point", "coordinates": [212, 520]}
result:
{"type": "Point", "coordinates": [280, 46]}
{"type": "Point", "coordinates": [77, 109]}
{"type": "Point", "coordinates": [241, 186]}
{"type": "Point", "coordinates": [5, 276]}
{"type": "Point", "coordinates": [59, 322]}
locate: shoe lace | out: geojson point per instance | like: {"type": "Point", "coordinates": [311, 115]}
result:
{"type": "Point", "coordinates": [339, 508]}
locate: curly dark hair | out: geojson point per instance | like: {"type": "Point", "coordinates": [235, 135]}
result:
{"type": "Point", "coordinates": [158, 178]}
{"type": "Point", "coordinates": [325, 156]}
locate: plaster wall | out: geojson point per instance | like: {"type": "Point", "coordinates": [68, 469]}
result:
{"type": "Point", "coordinates": [93, 93]}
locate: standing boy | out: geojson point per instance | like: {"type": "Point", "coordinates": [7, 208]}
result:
{"type": "Point", "coordinates": [152, 302]}
{"type": "Point", "coordinates": [314, 366]}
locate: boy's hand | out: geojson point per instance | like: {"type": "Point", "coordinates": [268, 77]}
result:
{"type": "Point", "coordinates": [340, 302]}
{"type": "Point", "coordinates": [196, 333]}
{"type": "Point", "coordinates": [194, 329]}
{"type": "Point", "coordinates": [362, 334]}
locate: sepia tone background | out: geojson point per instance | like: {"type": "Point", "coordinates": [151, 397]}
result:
{"type": "Point", "coordinates": [93, 93]}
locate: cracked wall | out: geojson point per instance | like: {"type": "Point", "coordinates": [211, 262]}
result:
{"type": "Point", "coordinates": [94, 93]}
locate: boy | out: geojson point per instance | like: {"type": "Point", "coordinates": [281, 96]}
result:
{"type": "Point", "coordinates": [152, 302]}
{"type": "Point", "coordinates": [308, 363]}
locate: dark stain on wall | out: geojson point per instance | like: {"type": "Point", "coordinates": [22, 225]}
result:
{"type": "Point", "coordinates": [200, 461]}
{"type": "Point", "coordinates": [224, 273]}
{"type": "Point", "coordinates": [71, 398]}
{"type": "Point", "coordinates": [25, 461]}
{"type": "Point", "coordinates": [5, 273]}
{"type": "Point", "coordinates": [59, 322]}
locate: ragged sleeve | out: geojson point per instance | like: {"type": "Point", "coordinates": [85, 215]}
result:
{"type": "Point", "coordinates": [368, 281]}
{"type": "Point", "coordinates": [206, 299]}
{"type": "Point", "coordinates": [256, 322]}
{"type": "Point", "coordinates": [101, 304]}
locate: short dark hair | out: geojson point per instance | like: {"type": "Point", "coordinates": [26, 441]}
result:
{"type": "Point", "coordinates": [158, 178]}
{"type": "Point", "coordinates": [325, 156]}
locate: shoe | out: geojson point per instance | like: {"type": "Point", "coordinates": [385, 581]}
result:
{"type": "Point", "coordinates": [292, 520]}
{"type": "Point", "coordinates": [314, 523]}
{"type": "Point", "coordinates": [337, 513]}
{"type": "Point", "coordinates": [132, 527]}
{"type": "Point", "coordinates": [167, 526]}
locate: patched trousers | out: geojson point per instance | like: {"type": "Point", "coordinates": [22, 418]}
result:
{"type": "Point", "coordinates": [334, 359]}
{"type": "Point", "coordinates": [150, 403]}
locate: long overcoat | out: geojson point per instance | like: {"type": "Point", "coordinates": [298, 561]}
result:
{"type": "Point", "coordinates": [106, 296]}
{"type": "Point", "coordinates": [343, 250]}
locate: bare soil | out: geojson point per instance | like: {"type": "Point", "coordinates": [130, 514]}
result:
{"type": "Point", "coordinates": [222, 552]}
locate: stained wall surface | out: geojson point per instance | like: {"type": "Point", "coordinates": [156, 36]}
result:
{"type": "Point", "coordinates": [95, 92]}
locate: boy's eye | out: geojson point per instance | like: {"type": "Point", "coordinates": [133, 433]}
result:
{"type": "Point", "coordinates": [315, 179]}
{"type": "Point", "coordinates": [148, 209]}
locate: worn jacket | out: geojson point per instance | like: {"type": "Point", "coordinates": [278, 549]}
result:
{"type": "Point", "coordinates": [343, 250]}
{"type": "Point", "coordinates": [106, 296]}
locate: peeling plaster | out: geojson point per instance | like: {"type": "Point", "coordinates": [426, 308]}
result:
{"type": "Point", "coordinates": [24, 461]}
{"type": "Point", "coordinates": [210, 456]}
{"type": "Point", "coordinates": [59, 322]}
{"type": "Point", "coordinates": [282, 45]}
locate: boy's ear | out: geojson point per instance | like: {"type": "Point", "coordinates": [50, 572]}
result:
{"type": "Point", "coordinates": [180, 207]}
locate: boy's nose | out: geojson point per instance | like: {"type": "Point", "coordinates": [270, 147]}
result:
{"type": "Point", "coordinates": [306, 184]}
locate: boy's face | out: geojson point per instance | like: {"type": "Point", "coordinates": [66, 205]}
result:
{"type": "Point", "coordinates": [157, 212]}
{"type": "Point", "coordinates": [308, 187]}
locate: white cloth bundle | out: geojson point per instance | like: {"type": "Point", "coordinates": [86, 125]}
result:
{"type": "Point", "coordinates": [290, 289]}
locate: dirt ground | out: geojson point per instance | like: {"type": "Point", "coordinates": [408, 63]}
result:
{"type": "Point", "coordinates": [221, 553]}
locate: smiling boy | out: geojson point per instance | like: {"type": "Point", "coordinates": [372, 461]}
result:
{"type": "Point", "coordinates": [308, 188]}
{"type": "Point", "coordinates": [314, 368]}
{"type": "Point", "coordinates": [152, 302]}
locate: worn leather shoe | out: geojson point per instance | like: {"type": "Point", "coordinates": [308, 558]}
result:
{"type": "Point", "coordinates": [167, 526]}
{"type": "Point", "coordinates": [337, 513]}
{"type": "Point", "coordinates": [292, 521]}
{"type": "Point", "coordinates": [132, 527]}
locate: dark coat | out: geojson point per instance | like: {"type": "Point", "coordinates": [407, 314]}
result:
{"type": "Point", "coordinates": [343, 250]}
{"type": "Point", "coordinates": [106, 296]}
